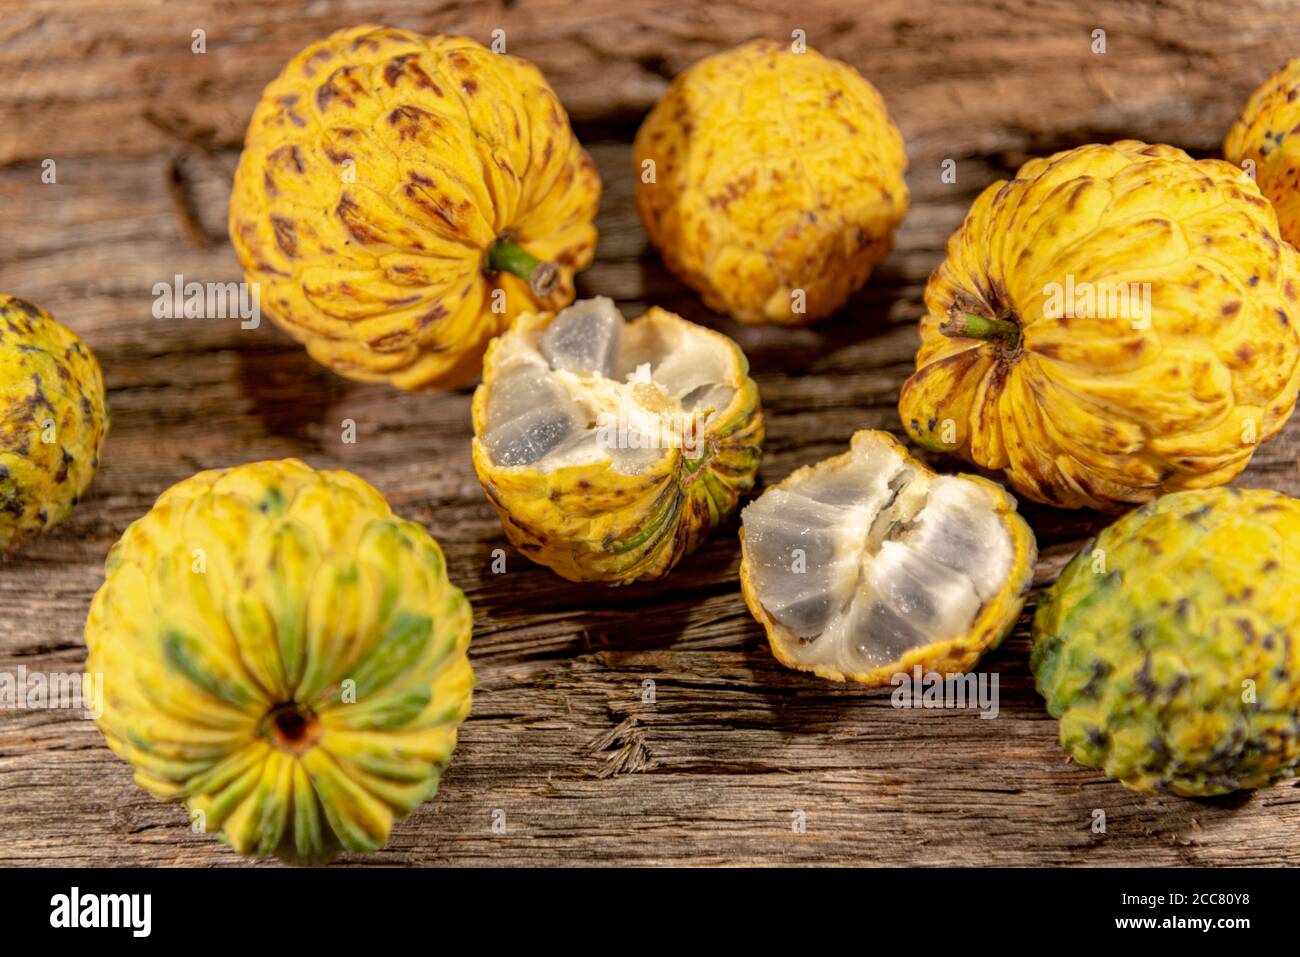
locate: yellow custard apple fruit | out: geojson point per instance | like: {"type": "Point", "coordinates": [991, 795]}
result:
{"type": "Point", "coordinates": [771, 181]}
{"type": "Point", "coordinates": [1168, 649]}
{"type": "Point", "coordinates": [401, 199]}
{"type": "Point", "coordinates": [610, 449]}
{"type": "Point", "coordinates": [53, 421]}
{"type": "Point", "coordinates": [869, 564]}
{"type": "Point", "coordinates": [284, 654]}
{"type": "Point", "coordinates": [1265, 135]}
{"type": "Point", "coordinates": [1115, 322]}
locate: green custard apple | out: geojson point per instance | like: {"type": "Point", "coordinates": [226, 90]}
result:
{"type": "Point", "coordinates": [1169, 649]}
{"type": "Point", "coordinates": [281, 652]}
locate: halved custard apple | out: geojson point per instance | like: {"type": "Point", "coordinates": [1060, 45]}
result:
{"type": "Point", "coordinates": [608, 448]}
{"type": "Point", "coordinates": [868, 564]}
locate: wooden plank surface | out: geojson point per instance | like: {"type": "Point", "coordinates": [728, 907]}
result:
{"type": "Point", "coordinates": [562, 745]}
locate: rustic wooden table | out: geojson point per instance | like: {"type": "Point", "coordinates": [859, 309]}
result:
{"type": "Point", "coordinates": [733, 750]}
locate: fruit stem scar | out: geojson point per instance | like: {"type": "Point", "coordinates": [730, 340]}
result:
{"type": "Point", "coordinates": [508, 256]}
{"type": "Point", "coordinates": [968, 325]}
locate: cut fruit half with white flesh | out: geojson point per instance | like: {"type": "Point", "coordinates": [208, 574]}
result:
{"type": "Point", "coordinates": [868, 564]}
{"type": "Point", "coordinates": [611, 448]}
{"type": "Point", "coordinates": [590, 388]}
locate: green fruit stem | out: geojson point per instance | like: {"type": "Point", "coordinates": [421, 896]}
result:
{"type": "Point", "coordinates": [508, 256]}
{"type": "Point", "coordinates": [968, 325]}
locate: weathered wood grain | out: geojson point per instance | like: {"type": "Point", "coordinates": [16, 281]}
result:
{"type": "Point", "coordinates": [561, 741]}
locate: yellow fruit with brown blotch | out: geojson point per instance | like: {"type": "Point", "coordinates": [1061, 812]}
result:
{"type": "Point", "coordinates": [771, 181]}
{"type": "Point", "coordinates": [1264, 140]}
{"type": "Point", "coordinates": [1116, 322]}
{"type": "Point", "coordinates": [53, 421]}
{"type": "Point", "coordinates": [610, 450]}
{"type": "Point", "coordinates": [401, 199]}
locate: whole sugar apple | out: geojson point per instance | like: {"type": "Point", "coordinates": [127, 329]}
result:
{"type": "Point", "coordinates": [1170, 647]}
{"type": "Point", "coordinates": [284, 654]}
{"type": "Point", "coordinates": [1115, 322]}
{"type": "Point", "coordinates": [771, 181]}
{"type": "Point", "coordinates": [53, 421]}
{"type": "Point", "coordinates": [401, 199]}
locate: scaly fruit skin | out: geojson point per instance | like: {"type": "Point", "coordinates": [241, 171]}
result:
{"type": "Point", "coordinates": [994, 623]}
{"type": "Point", "coordinates": [379, 172]}
{"type": "Point", "coordinates": [53, 421]}
{"type": "Point", "coordinates": [589, 523]}
{"type": "Point", "coordinates": [1168, 647]}
{"type": "Point", "coordinates": [1264, 133]}
{"type": "Point", "coordinates": [774, 172]}
{"type": "Point", "coordinates": [284, 654]}
{"type": "Point", "coordinates": [1081, 410]}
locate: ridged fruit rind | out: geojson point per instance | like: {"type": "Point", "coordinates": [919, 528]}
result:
{"type": "Point", "coordinates": [249, 592]}
{"type": "Point", "coordinates": [1092, 407]}
{"type": "Point", "coordinates": [53, 421]}
{"type": "Point", "coordinates": [1168, 647]}
{"type": "Point", "coordinates": [588, 522]}
{"type": "Point", "coordinates": [378, 170]}
{"type": "Point", "coordinates": [1265, 135]}
{"type": "Point", "coordinates": [771, 181]}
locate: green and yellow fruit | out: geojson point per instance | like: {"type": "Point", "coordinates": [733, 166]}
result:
{"type": "Point", "coordinates": [868, 565]}
{"type": "Point", "coordinates": [53, 421]}
{"type": "Point", "coordinates": [401, 199]}
{"type": "Point", "coordinates": [771, 181]}
{"type": "Point", "coordinates": [1114, 323]}
{"type": "Point", "coordinates": [610, 450]}
{"type": "Point", "coordinates": [281, 652]}
{"type": "Point", "coordinates": [1168, 647]}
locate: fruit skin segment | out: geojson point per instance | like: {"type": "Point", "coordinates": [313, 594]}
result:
{"type": "Point", "coordinates": [53, 421]}
{"type": "Point", "coordinates": [588, 522]}
{"type": "Point", "coordinates": [1096, 410]}
{"type": "Point", "coordinates": [282, 653]}
{"type": "Point", "coordinates": [1167, 649]}
{"type": "Point", "coordinates": [1265, 134]}
{"type": "Point", "coordinates": [774, 171]}
{"type": "Point", "coordinates": [381, 172]}
{"type": "Point", "coordinates": [991, 626]}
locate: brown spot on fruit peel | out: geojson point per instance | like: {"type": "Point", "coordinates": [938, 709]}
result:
{"type": "Point", "coordinates": [408, 121]}
{"type": "Point", "coordinates": [349, 213]}
{"type": "Point", "coordinates": [27, 309]}
{"type": "Point", "coordinates": [437, 208]}
{"type": "Point", "coordinates": [285, 237]}
{"type": "Point", "coordinates": [286, 155]}
{"type": "Point", "coordinates": [337, 157]}
{"type": "Point", "coordinates": [397, 341]}
{"type": "Point", "coordinates": [394, 67]}
{"type": "Point", "coordinates": [439, 311]}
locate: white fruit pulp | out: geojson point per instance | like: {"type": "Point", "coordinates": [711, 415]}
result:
{"type": "Point", "coordinates": [865, 559]}
{"type": "Point", "coordinates": [593, 388]}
